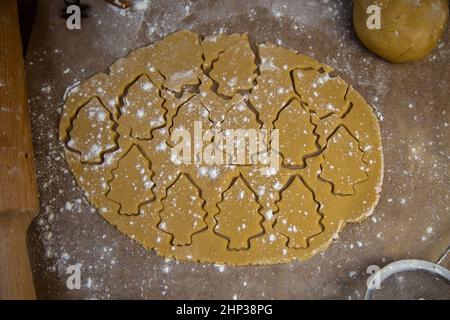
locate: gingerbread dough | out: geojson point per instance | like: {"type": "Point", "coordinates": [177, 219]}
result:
{"type": "Point", "coordinates": [409, 29]}
{"type": "Point", "coordinates": [287, 203]}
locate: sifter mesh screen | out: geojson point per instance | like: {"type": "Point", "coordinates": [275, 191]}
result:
{"type": "Point", "coordinates": [413, 285]}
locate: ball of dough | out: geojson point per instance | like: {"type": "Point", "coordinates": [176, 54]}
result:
{"type": "Point", "coordinates": [409, 29]}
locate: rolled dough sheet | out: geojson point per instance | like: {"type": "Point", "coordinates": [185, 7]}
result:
{"type": "Point", "coordinates": [117, 129]}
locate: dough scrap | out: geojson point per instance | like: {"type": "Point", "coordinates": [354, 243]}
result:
{"type": "Point", "coordinates": [286, 204]}
{"type": "Point", "coordinates": [409, 29]}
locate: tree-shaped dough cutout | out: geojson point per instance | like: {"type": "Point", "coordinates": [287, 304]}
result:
{"type": "Point", "coordinates": [93, 134]}
{"type": "Point", "coordinates": [343, 163]}
{"type": "Point", "coordinates": [191, 118]}
{"type": "Point", "coordinates": [142, 111]}
{"type": "Point", "coordinates": [239, 219]}
{"type": "Point", "coordinates": [298, 218]}
{"type": "Point", "coordinates": [297, 139]}
{"type": "Point", "coordinates": [131, 185]}
{"type": "Point", "coordinates": [324, 95]}
{"type": "Point", "coordinates": [183, 214]}
{"type": "Point", "coordinates": [240, 136]}
{"type": "Point", "coordinates": [235, 69]}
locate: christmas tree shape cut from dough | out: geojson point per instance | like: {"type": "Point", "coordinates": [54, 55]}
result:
{"type": "Point", "coordinates": [131, 185]}
{"type": "Point", "coordinates": [298, 217]}
{"type": "Point", "coordinates": [192, 118]}
{"type": "Point", "coordinates": [179, 58]}
{"type": "Point", "coordinates": [324, 95]}
{"type": "Point", "coordinates": [239, 219]}
{"type": "Point", "coordinates": [183, 214]}
{"type": "Point", "coordinates": [343, 163]}
{"type": "Point", "coordinates": [297, 139]}
{"type": "Point", "coordinates": [93, 133]}
{"type": "Point", "coordinates": [241, 125]}
{"type": "Point", "coordinates": [235, 69]}
{"type": "Point", "coordinates": [142, 111]}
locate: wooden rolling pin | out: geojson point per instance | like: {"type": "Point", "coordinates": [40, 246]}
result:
{"type": "Point", "coordinates": [18, 193]}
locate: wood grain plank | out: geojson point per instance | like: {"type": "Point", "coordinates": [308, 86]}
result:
{"type": "Point", "coordinates": [18, 193]}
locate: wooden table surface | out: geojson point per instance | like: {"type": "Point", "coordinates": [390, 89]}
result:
{"type": "Point", "coordinates": [412, 219]}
